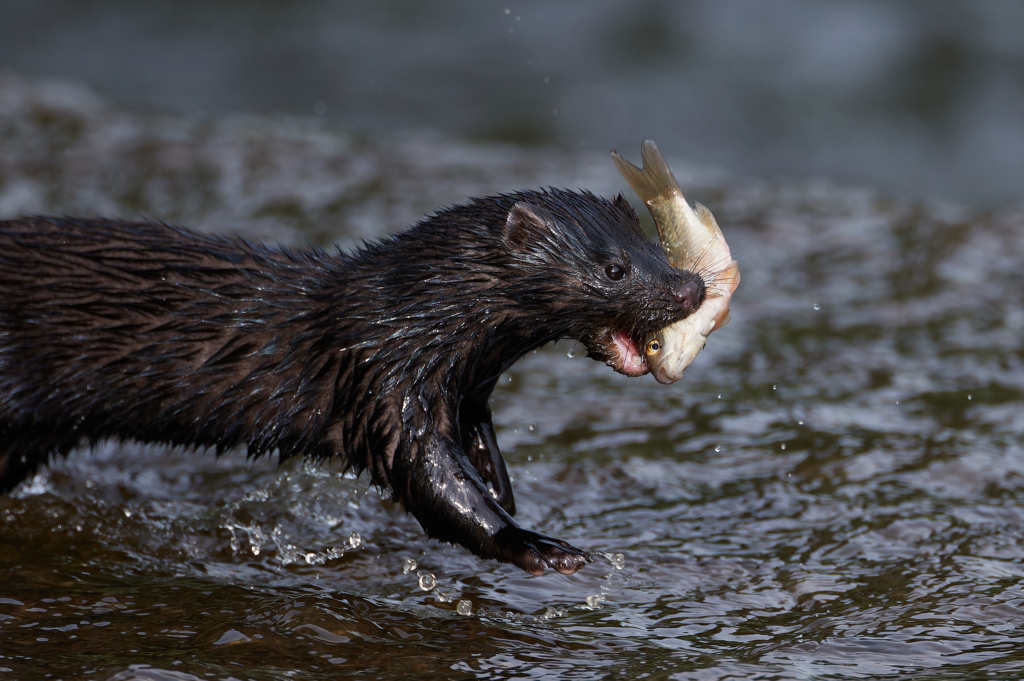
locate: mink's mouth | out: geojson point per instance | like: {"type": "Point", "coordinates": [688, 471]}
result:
{"type": "Point", "coordinates": [619, 350]}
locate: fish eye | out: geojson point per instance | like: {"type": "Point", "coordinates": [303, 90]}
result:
{"type": "Point", "coordinates": [615, 272]}
{"type": "Point", "coordinates": [653, 347]}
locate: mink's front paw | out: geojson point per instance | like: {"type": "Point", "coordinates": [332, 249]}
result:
{"type": "Point", "coordinates": [534, 552]}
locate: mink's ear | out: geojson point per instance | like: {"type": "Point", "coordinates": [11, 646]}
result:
{"type": "Point", "coordinates": [526, 223]}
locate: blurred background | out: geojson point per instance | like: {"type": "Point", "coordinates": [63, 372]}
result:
{"type": "Point", "coordinates": [915, 99]}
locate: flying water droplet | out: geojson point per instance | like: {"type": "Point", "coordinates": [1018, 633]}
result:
{"type": "Point", "coordinates": [464, 607]}
{"type": "Point", "coordinates": [571, 353]}
{"type": "Point", "coordinates": [619, 561]}
{"type": "Point", "coordinates": [409, 566]}
{"type": "Point", "coordinates": [718, 448]}
{"type": "Point", "coordinates": [427, 581]}
{"type": "Point", "coordinates": [354, 540]}
{"type": "Point", "coordinates": [816, 306]}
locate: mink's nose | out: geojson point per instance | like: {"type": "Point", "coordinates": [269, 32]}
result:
{"type": "Point", "coordinates": [687, 295]}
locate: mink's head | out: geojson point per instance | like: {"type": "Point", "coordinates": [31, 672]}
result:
{"type": "Point", "coordinates": [585, 267]}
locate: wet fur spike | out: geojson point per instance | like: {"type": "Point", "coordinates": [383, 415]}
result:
{"type": "Point", "coordinates": [385, 357]}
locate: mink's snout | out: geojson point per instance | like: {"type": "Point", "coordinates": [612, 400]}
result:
{"type": "Point", "coordinates": [689, 295]}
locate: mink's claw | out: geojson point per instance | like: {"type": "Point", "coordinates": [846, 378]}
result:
{"type": "Point", "coordinates": [534, 552]}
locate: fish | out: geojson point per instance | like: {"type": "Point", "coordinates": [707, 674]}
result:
{"type": "Point", "coordinates": [692, 241]}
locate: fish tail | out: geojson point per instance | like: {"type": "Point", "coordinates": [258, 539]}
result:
{"type": "Point", "coordinates": [653, 182]}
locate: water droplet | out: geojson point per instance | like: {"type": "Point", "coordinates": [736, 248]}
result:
{"type": "Point", "coordinates": [719, 395]}
{"type": "Point", "coordinates": [619, 561]}
{"type": "Point", "coordinates": [409, 566]}
{"type": "Point", "coordinates": [897, 401]}
{"type": "Point", "coordinates": [594, 601]}
{"type": "Point", "coordinates": [310, 558]}
{"type": "Point", "coordinates": [775, 386]}
{"type": "Point", "coordinates": [799, 423]}
{"type": "Point", "coordinates": [533, 427]}
{"type": "Point", "coordinates": [508, 11]}
{"type": "Point", "coordinates": [529, 457]}
{"type": "Point", "coordinates": [509, 380]}
{"type": "Point", "coordinates": [969, 396]}
{"type": "Point", "coordinates": [464, 607]}
{"type": "Point", "coordinates": [354, 540]}
{"type": "Point", "coordinates": [816, 306]}
{"type": "Point", "coordinates": [783, 446]}
{"type": "Point", "coordinates": [571, 353]}
{"type": "Point", "coordinates": [427, 581]}
{"type": "Point", "coordinates": [718, 448]}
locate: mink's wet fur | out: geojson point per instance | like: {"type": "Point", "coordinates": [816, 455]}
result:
{"type": "Point", "coordinates": [385, 356]}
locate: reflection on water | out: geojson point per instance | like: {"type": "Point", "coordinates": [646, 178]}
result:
{"type": "Point", "coordinates": [835, 488]}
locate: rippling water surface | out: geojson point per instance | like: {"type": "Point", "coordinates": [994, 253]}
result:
{"type": "Point", "coordinates": [835, 489]}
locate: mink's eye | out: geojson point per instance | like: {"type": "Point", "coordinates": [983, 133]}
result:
{"type": "Point", "coordinates": [615, 272]}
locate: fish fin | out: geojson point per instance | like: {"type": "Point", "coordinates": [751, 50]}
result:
{"type": "Point", "coordinates": [708, 219]}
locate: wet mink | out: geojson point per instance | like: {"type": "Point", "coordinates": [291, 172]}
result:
{"type": "Point", "coordinates": [386, 356]}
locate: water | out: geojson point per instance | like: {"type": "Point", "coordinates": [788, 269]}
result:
{"type": "Point", "coordinates": [835, 489]}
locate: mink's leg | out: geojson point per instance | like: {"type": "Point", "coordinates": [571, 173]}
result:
{"type": "Point", "coordinates": [435, 481]}
{"type": "Point", "coordinates": [481, 445]}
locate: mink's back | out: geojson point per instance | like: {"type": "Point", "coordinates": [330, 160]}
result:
{"type": "Point", "coordinates": [147, 331]}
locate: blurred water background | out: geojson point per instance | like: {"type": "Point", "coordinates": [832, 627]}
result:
{"type": "Point", "coordinates": [834, 490]}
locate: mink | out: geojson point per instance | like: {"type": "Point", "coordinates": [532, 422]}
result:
{"type": "Point", "coordinates": [386, 356]}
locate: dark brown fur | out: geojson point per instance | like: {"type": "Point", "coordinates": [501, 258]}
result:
{"type": "Point", "coordinates": [385, 356]}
